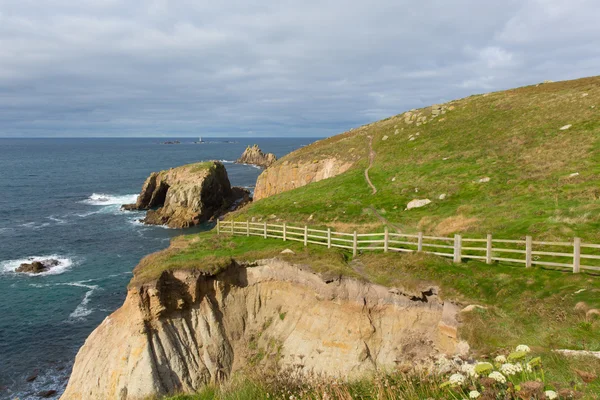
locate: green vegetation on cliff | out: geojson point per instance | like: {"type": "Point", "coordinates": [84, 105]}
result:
{"type": "Point", "coordinates": [543, 180]}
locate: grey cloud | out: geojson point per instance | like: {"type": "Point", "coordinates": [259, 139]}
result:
{"type": "Point", "coordinates": [287, 68]}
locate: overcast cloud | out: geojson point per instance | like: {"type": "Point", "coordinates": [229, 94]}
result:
{"type": "Point", "coordinates": [279, 68]}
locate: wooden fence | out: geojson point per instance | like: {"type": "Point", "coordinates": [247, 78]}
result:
{"type": "Point", "coordinates": [528, 251]}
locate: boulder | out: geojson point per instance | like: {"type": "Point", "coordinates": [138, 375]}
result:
{"type": "Point", "coordinates": [417, 203]}
{"type": "Point", "coordinates": [253, 155]}
{"type": "Point", "coordinates": [188, 195]}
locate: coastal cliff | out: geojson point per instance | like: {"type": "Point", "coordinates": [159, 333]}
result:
{"type": "Point", "coordinates": [189, 328]}
{"type": "Point", "coordinates": [284, 176]}
{"type": "Point", "coordinates": [253, 155]}
{"type": "Point", "coordinates": [188, 195]}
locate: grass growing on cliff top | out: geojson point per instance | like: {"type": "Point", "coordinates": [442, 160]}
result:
{"type": "Point", "coordinates": [212, 253]}
{"type": "Point", "coordinates": [544, 181]}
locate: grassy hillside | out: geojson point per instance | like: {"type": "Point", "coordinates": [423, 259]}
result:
{"type": "Point", "coordinates": [543, 180]}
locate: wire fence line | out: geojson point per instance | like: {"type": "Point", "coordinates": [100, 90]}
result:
{"type": "Point", "coordinates": [577, 257]}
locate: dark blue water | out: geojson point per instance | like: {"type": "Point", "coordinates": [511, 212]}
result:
{"type": "Point", "coordinates": [61, 198]}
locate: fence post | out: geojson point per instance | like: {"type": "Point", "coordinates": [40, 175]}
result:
{"type": "Point", "coordinates": [386, 239]}
{"type": "Point", "coordinates": [218, 226]}
{"type": "Point", "coordinates": [248, 228]}
{"type": "Point", "coordinates": [420, 243]}
{"type": "Point", "coordinates": [528, 246]}
{"type": "Point", "coordinates": [488, 249]}
{"type": "Point", "coordinates": [305, 235]}
{"type": "Point", "coordinates": [265, 230]}
{"type": "Point", "coordinates": [328, 238]}
{"type": "Point", "coordinates": [576, 255]}
{"type": "Point", "coordinates": [284, 232]}
{"type": "Point", "coordinates": [232, 227]}
{"type": "Point", "coordinates": [355, 245]}
{"type": "Point", "coordinates": [457, 246]}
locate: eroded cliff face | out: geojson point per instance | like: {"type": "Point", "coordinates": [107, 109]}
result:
{"type": "Point", "coordinates": [186, 196]}
{"type": "Point", "coordinates": [284, 175]}
{"type": "Point", "coordinates": [188, 329]}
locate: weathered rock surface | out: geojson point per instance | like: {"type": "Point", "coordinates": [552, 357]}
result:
{"type": "Point", "coordinates": [253, 155]}
{"type": "Point", "coordinates": [417, 203]}
{"type": "Point", "coordinates": [284, 176]}
{"type": "Point", "coordinates": [188, 329]}
{"type": "Point", "coordinates": [37, 267]}
{"type": "Point", "coordinates": [188, 195]}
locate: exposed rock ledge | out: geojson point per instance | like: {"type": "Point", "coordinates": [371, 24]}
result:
{"type": "Point", "coordinates": [284, 176]}
{"type": "Point", "coordinates": [254, 156]}
{"type": "Point", "coordinates": [187, 329]}
{"type": "Point", "coordinates": [188, 195]}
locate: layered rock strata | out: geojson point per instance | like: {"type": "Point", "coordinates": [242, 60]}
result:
{"type": "Point", "coordinates": [188, 329]}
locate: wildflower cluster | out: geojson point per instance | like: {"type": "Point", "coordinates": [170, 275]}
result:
{"type": "Point", "coordinates": [510, 376]}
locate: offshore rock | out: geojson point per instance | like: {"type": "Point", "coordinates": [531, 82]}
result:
{"type": "Point", "coordinates": [187, 196]}
{"type": "Point", "coordinates": [253, 155]}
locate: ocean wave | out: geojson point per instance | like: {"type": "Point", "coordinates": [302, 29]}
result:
{"type": "Point", "coordinates": [82, 310]}
{"type": "Point", "coordinates": [101, 199]}
{"type": "Point", "coordinates": [59, 221]}
{"type": "Point", "coordinates": [35, 225]}
{"type": "Point", "coordinates": [64, 263]}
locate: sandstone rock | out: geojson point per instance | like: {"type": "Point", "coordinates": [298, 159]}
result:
{"type": "Point", "coordinates": [187, 196]}
{"type": "Point", "coordinates": [584, 95]}
{"type": "Point", "coordinates": [288, 251]}
{"type": "Point", "coordinates": [148, 347]}
{"type": "Point", "coordinates": [564, 128]}
{"type": "Point", "coordinates": [282, 177]}
{"type": "Point", "coordinates": [253, 155]}
{"type": "Point", "coordinates": [442, 196]}
{"type": "Point", "coordinates": [484, 180]}
{"type": "Point", "coordinates": [417, 203]}
{"type": "Point", "coordinates": [581, 306]}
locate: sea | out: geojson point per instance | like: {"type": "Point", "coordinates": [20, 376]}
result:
{"type": "Point", "coordinates": [61, 199]}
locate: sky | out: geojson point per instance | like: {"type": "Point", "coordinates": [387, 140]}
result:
{"type": "Point", "coordinates": [280, 68]}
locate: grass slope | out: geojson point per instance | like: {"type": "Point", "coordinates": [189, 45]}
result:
{"type": "Point", "coordinates": [512, 137]}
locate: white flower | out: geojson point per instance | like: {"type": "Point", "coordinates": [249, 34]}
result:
{"type": "Point", "coordinates": [523, 347]}
{"type": "Point", "coordinates": [511, 369]}
{"type": "Point", "coordinates": [500, 359]}
{"type": "Point", "coordinates": [497, 376]}
{"type": "Point", "coordinates": [469, 369]}
{"type": "Point", "coordinates": [457, 379]}
{"type": "Point", "coordinates": [551, 394]}
{"type": "Point", "coordinates": [473, 394]}
{"type": "Point", "coordinates": [528, 368]}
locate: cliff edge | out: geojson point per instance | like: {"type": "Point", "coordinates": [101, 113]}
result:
{"type": "Point", "coordinates": [190, 328]}
{"type": "Point", "coordinates": [188, 195]}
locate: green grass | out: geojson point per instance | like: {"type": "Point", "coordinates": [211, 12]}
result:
{"type": "Point", "coordinates": [513, 137]}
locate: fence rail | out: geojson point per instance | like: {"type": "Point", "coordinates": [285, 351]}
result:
{"type": "Point", "coordinates": [487, 249]}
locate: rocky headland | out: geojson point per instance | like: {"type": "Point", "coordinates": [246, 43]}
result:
{"type": "Point", "coordinates": [189, 328]}
{"type": "Point", "coordinates": [188, 195]}
{"type": "Point", "coordinates": [253, 155]}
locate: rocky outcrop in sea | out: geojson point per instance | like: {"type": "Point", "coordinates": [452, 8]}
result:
{"type": "Point", "coordinates": [253, 155]}
{"type": "Point", "coordinates": [188, 195]}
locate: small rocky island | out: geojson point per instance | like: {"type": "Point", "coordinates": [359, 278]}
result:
{"type": "Point", "coordinates": [253, 155]}
{"type": "Point", "coordinates": [37, 267]}
{"type": "Point", "coordinates": [188, 195]}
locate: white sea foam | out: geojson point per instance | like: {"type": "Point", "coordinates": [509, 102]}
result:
{"type": "Point", "coordinates": [58, 220]}
{"type": "Point", "coordinates": [101, 199]}
{"type": "Point", "coordinates": [82, 310]}
{"type": "Point", "coordinates": [64, 263]}
{"type": "Point", "coordinates": [35, 225]}
{"type": "Point", "coordinates": [227, 161]}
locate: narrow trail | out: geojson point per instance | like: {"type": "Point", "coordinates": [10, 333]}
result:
{"type": "Point", "coordinates": [372, 155]}
{"type": "Point", "coordinates": [383, 220]}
